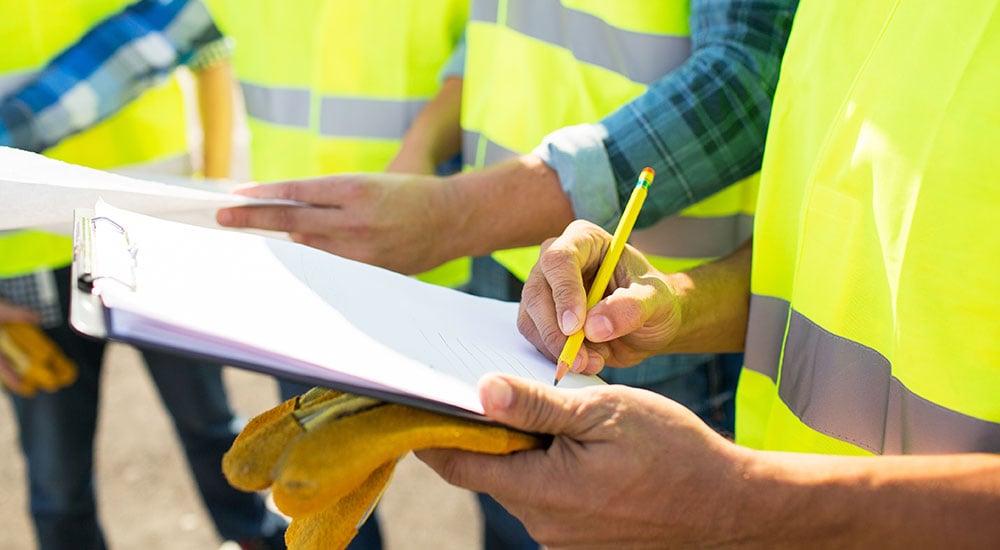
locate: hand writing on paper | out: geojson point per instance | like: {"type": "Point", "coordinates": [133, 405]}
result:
{"type": "Point", "coordinates": [638, 318]}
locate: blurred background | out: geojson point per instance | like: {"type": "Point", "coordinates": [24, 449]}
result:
{"type": "Point", "coordinates": [147, 499]}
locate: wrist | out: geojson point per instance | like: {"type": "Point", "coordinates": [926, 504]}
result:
{"type": "Point", "coordinates": [515, 203]}
{"type": "Point", "coordinates": [678, 312]}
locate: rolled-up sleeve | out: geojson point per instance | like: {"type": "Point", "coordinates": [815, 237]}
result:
{"type": "Point", "coordinates": [702, 127]}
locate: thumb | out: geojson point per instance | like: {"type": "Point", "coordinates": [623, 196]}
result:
{"type": "Point", "coordinates": [527, 405]}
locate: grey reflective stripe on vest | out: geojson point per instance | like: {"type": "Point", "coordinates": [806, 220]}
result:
{"type": "Point", "coordinates": [282, 106]}
{"type": "Point", "coordinates": [765, 334]}
{"type": "Point", "coordinates": [693, 238]}
{"type": "Point", "coordinates": [641, 57]}
{"type": "Point", "coordinates": [338, 116]}
{"type": "Point", "coordinates": [845, 390]}
{"type": "Point", "coordinates": [476, 145]}
{"type": "Point", "coordinates": [367, 118]}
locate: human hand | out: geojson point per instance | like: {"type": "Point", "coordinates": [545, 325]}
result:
{"type": "Point", "coordinates": [400, 222]}
{"type": "Point", "coordinates": [627, 468]}
{"type": "Point", "coordinates": [9, 313]}
{"type": "Point", "coordinates": [328, 457]}
{"type": "Point", "coordinates": [30, 360]}
{"type": "Point", "coordinates": [638, 317]}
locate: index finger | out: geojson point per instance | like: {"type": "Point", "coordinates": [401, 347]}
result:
{"type": "Point", "coordinates": [565, 263]}
{"type": "Point", "coordinates": [322, 191]}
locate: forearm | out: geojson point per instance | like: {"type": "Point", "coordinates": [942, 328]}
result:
{"type": "Point", "coordinates": [215, 105]}
{"type": "Point", "coordinates": [515, 203]}
{"type": "Point", "coordinates": [943, 501]}
{"type": "Point", "coordinates": [435, 135]}
{"type": "Point", "coordinates": [111, 63]}
{"type": "Point", "coordinates": [713, 300]}
{"type": "Point", "coordinates": [703, 126]}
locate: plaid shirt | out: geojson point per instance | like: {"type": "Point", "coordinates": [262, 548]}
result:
{"type": "Point", "coordinates": [107, 68]}
{"type": "Point", "coordinates": [701, 127]}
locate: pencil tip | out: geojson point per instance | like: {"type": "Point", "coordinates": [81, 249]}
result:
{"type": "Point", "coordinates": [561, 368]}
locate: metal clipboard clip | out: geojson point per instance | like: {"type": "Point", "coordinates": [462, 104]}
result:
{"type": "Point", "coordinates": [119, 268]}
{"type": "Point", "coordinates": [113, 259]}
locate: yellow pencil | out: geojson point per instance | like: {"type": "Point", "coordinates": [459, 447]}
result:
{"type": "Point", "coordinates": [607, 266]}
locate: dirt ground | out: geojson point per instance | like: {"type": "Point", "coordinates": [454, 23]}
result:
{"type": "Point", "coordinates": [147, 499]}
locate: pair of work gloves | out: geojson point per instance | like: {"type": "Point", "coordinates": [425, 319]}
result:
{"type": "Point", "coordinates": [328, 457]}
{"type": "Point", "coordinates": [32, 361]}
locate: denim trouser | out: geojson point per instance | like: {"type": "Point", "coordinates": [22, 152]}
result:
{"type": "Point", "coordinates": [57, 438]}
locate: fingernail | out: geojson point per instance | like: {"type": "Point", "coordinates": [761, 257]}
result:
{"type": "Point", "coordinates": [599, 327]}
{"type": "Point", "coordinates": [497, 395]}
{"type": "Point", "coordinates": [223, 217]}
{"type": "Point", "coordinates": [569, 322]}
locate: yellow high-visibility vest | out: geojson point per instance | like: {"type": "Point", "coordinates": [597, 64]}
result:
{"type": "Point", "coordinates": [149, 130]}
{"type": "Point", "coordinates": [875, 310]}
{"type": "Point", "coordinates": [533, 67]}
{"type": "Point", "coordinates": [331, 86]}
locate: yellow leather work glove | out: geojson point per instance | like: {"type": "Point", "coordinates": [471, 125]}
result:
{"type": "Point", "coordinates": [328, 457]}
{"type": "Point", "coordinates": [33, 361]}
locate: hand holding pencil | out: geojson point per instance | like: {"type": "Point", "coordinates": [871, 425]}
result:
{"type": "Point", "coordinates": [607, 267]}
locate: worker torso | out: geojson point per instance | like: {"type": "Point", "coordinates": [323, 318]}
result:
{"type": "Point", "coordinates": [533, 67]}
{"type": "Point", "coordinates": [875, 311]}
{"type": "Point", "coordinates": [332, 85]}
{"type": "Point", "coordinates": [147, 134]}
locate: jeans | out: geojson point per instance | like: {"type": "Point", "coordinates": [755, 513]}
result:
{"type": "Point", "coordinates": [57, 438]}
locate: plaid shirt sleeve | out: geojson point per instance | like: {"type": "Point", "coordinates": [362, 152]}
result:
{"type": "Point", "coordinates": [106, 69]}
{"type": "Point", "coordinates": [702, 127]}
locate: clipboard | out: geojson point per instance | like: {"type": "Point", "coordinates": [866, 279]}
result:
{"type": "Point", "coordinates": [86, 313]}
{"type": "Point", "coordinates": [174, 287]}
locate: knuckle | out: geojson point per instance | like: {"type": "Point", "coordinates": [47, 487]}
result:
{"type": "Point", "coordinates": [525, 324]}
{"type": "Point", "coordinates": [449, 470]}
{"type": "Point", "coordinates": [533, 298]}
{"type": "Point", "coordinates": [555, 259]}
{"type": "Point", "coordinates": [552, 335]}
{"type": "Point", "coordinates": [288, 191]}
{"type": "Point", "coordinates": [632, 314]}
{"type": "Point", "coordinates": [284, 220]}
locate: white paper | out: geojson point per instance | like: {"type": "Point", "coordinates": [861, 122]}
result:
{"type": "Point", "coordinates": [283, 305]}
{"type": "Point", "coordinates": [39, 192]}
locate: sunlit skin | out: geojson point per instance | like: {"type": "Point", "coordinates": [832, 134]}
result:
{"type": "Point", "coordinates": [676, 482]}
